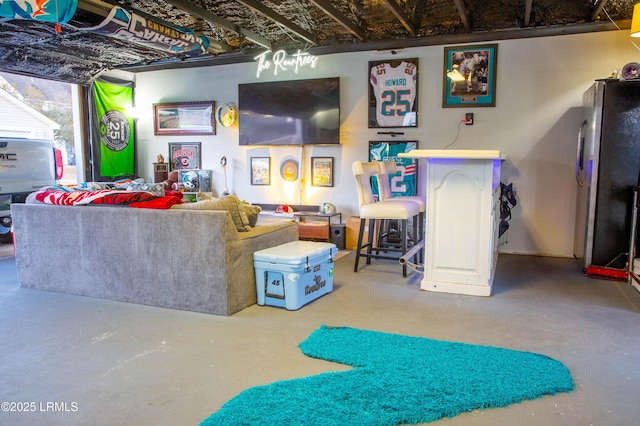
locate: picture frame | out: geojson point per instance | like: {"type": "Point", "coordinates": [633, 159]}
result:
{"type": "Point", "coordinates": [322, 171]}
{"type": "Point", "coordinates": [469, 76]}
{"type": "Point", "coordinates": [185, 118]}
{"type": "Point", "coordinates": [405, 181]}
{"type": "Point", "coordinates": [260, 170]}
{"type": "Point", "coordinates": [183, 156]}
{"type": "Point", "coordinates": [393, 93]}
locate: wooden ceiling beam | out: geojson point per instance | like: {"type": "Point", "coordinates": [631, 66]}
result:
{"type": "Point", "coordinates": [279, 19]}
{"type": "Point", "coordinates": [397, 11]}
{"type": "Point", "coordinates": [339, 17]}
{"type": "Point", "coordinates": [464, 14]}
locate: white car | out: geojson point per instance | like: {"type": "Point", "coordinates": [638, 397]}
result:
{"type": "Point", "coordinates": [26, 165]}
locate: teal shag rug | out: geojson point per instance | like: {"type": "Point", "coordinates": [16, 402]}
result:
{"type": "Point", "coordinates": [396, 380]}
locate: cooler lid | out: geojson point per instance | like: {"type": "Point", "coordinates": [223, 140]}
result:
{"type": "Point", "coordinates": [296, 252]}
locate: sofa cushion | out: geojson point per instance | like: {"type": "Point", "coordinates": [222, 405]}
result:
{"type": "Point", "coordinates": [230, 203]}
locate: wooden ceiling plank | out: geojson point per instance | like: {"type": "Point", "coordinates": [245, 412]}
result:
{"type": "Point", "coordinates": [527, 12]}
{"type": "Point", "coordinates": [277, 18]}
{"type": "Point", "coordinates": [220, 21]}
{"type": "Point", "coordinates": [339, 17]}
{"type": "Point", "coordinates": [464, 14]}
{"type": "Point", "coordinates": [597, 9]}
{"type": "Point", "coordinates": [397, 11]}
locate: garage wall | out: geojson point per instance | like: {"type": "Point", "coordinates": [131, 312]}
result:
{"type": "Point", "coordinates": [540, 83]}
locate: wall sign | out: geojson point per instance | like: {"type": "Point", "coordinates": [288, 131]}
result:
{"type": "Point", "coordinates": [184, 155]}
{"type": "Point", "coordinates": [281, 61]}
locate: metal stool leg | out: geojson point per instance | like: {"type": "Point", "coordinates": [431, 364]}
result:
{"type": "Point", "coordinates": [359, 244]}
{"type": "Point", "coordinates": [404, 231]}
{"type": "Point", "coordinates": [372, 227]}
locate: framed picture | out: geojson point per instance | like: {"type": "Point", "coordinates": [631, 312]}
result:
{"type": "Point", "coordinates": [186, 118]}
{"type": "Point", "coordinates": [393, 93]}
{"type": "Point", "coordinates": [260, 170]}
{"type": "Point", "coordinates": [405, 181]}
{"type": "Point", "coordinates": [322, 171]}
{"type": "Point", "coordinates": [469, 77]}
{"type": "Point", "coordinates": [185, 156]}
{"type": "Point", "coordinates": [289, 169]}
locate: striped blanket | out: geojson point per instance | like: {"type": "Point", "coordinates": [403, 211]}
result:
{"type": "Point", "coordinates": [110, 196]}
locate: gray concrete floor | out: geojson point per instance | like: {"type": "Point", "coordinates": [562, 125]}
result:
{"type": "Point", "coordinates": [110, 363]}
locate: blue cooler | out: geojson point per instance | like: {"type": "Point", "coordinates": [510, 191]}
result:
{"type": "Point", "coordinates": [293, 274]}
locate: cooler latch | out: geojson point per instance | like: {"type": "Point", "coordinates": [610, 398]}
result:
{"type": "Point", "coordinates": [307, 267]}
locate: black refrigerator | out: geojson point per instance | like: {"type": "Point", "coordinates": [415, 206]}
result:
{"type": "Point", "coordinates": [607, 169]}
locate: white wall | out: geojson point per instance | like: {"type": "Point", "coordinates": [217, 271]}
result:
{"type": "Point", "coordinates": [540, 83]}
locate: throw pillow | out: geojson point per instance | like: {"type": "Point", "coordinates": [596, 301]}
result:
{"type": "Point", "coordinates": [202, 196]}
{"type": "Point", "coordinates": [230, 203]}
{"type": "Point", "coordinates": [154, 188]}
{"type": "Point", "coordinates": [252, 213]}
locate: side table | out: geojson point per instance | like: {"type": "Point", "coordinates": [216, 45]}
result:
{"type": "Point", "coordinates": [312, 225]}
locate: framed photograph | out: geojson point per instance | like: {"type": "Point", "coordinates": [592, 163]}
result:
{"type": "Point", "coordinates": [393, 93]}
{"type": "Point", "coordinates": [405, 181]}
{"type": "Point", "coordinates": [322, 171]}
{"type": "Point", "coordinates": [185, 156]}
{"type": "Point", "coordinates": [185, 118]}
{"type": "Point", "coordinates": [469, 77]}
{"type": "Point", "coordinates": [260, 170]}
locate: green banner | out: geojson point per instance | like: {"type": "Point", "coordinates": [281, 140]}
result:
{"type": "Point", "coordinates": [117, 150]}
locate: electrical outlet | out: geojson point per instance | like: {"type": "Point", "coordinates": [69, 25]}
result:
{"type": "Point", "coordinates": [468, 119]}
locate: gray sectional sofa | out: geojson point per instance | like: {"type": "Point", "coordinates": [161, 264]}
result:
{"type": "Point", "coordinates": [193, 260]}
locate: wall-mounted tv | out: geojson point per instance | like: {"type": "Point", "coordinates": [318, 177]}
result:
{"type": "Point", "coordinates": [297, 112]}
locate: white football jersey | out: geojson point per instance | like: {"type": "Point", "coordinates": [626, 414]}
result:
{"type": "Point", "coordinates": [395, 92]}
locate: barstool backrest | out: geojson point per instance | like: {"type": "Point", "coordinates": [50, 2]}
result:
{"type": "Point", "coordinates": [363, 173]}
{"type": "Point", "coordinates": [384, 187]}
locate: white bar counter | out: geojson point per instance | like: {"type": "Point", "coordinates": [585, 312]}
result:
{"type": "Point", "coordinates": [462, 219]}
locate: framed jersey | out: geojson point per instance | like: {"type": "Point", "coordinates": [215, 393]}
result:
{"type": "Point", "coordinates": [404, 181]}
{"type": "Point", "coordinates": [393, 93]}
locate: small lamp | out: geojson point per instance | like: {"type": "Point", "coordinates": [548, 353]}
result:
{"type": "Point", "coordinates": [635, 21]}
{"type": "Point", "coordinates": [456, 75]}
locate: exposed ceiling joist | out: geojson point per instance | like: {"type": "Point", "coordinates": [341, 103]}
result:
{"type": "Point", "coordinates": [279, 19]}
{"type": "Point", "coordinates": [464, 14]}
{"type": "Point", "coordinates": [195, 10]}
{"type": "Point", "coordinates": [95, 6]}
{"type": "Point", "coordinates": [339, 17]}
{"type": "Point", "coordinates": [527, 13]}
{"type": "Point", "coordinates": [597, 9]}
{"type": "Point", "coordinates": [397, 11]}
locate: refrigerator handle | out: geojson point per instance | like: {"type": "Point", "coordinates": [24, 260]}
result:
{"type": "Point", "coordinates": [580, 175]}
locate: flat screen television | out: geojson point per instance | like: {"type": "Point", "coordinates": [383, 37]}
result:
{"type": "Point", "coordinates": [296, 112]}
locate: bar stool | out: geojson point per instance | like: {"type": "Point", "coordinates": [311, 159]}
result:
{"type": "Point", "coordinates": [387, 168]}
{"type": "Point", "coordinates": [373, 211]}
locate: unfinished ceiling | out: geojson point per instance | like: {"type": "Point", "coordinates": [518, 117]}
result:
{"type": "Point", "coordinates": [236, 30]}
